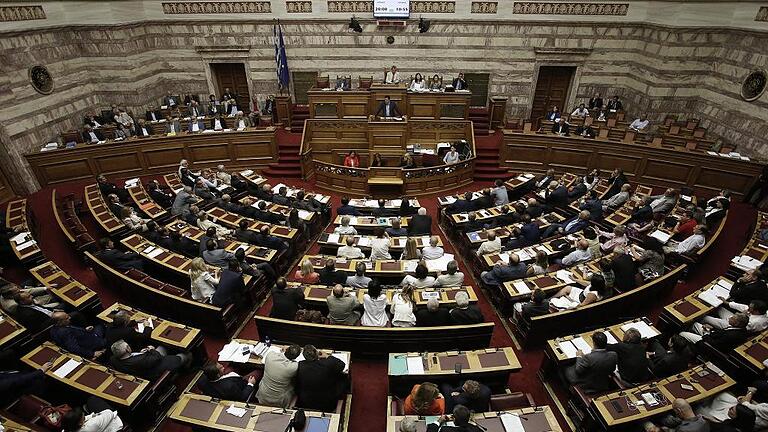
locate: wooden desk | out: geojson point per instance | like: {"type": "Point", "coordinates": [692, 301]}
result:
{"type": "Point", "coordinates": [318, 294]}
{"type": "Point", "coordinates": [555, 352]}
{"type": "Point", "coordinates": [475, 238]}
{"type": "Point", "coordinates": [10, 331]}
{"type": "Point", "coordinates": [329, 241]}
{"type": "Point", "coordinates": [232, 220]}
{"type": "Point", "coordinates": [753, 353]}
{"type": "Point", "coordinates": [65, 287]}
{"type": "Point", "coordinates": [370, 223]}
{"type": "Point", "coordinates": [88, 377]}
{"type": "Point", "coordinates": [652, 166]}
{"type": "Point", "coordinates": [556, 247]}
{"type": "Point", "coordinates": [155, 155]}
{"type": "Point", "coordinates": [491, 366]}
{"type": "Point", "coordinates": [26, 248]}
{"type": "Point", "coordinates": [359, 103]}
{"type": "Point", "coordinates": [367, 205]}
{"type": "Point", "coordinates": [108, 222]}
{"type": "Point", "coordinates": [536, 419]}
{"type": "Point", "coordinates": [690, 308]}
{"type": "Point", "coordinates": [199, 410]}
{"type": "Point", "coordinates": [258, 361]}
{"type": "Point", "coordinates": [621, 215]}
{"type": "Point", "coordinates": [145, 203]}
{"type": "Point", "coordinates": [164, 332]}
{"type": "Point", "coordinates": [614, 409]}
{"type": "Point", "coordinates": [380, 268]}
{"type": "Point", "coordinates": [252, 252]}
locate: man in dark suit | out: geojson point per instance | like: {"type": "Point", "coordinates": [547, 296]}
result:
{"type": "Point", "coordinates": [461, 418]}
{"type": "Point", "coordinates": [616, 181]}
{"type": "Point", "coordinates": [215, 255]}
{"type": "Point", "coordinates": [149, 363]}
{"type": "Point", "coordinates": [576, 191]}
{"type": "Point", "coordinates": [433, 315]}
{"type": "Point", "coordinates": [15, 383]}
{"type": "Point", "coordinates": [470, 393]}
{"type": "Point", "coordinates": [118, 259]}
{"type": "Point", "coordinates": [594, 206]}
{"type": "Point", "coordinates": [388, 108]}
{"type": "Point", "coordinates": [472, 224]}
{"type": "Point", "coordinates": [539, 305]}
{"type": "Point", "coordinates": [614, 104]}
{"type": "Point", "coordinates": [561, 127]}
{"type": "Point", "coordinates": [596, 102]}
{"type": "Point", "coordinates": [593, 371]}
{"type": "Point", "coordinates": [231, 285]}
{"type": "Point", "coordinates": [162, 198]}
{"type": "Point", "coordinates": [381, 210]}
{"type": "Point", "coordinates": [462, 205]}
{"type": "Point", "coordinates": [124, 328]}
{"type": "Point", "coordinates": [572, 225]}
{"type": "Point", "coordinates": [107, 188]}
{"type": "Point", "coordinates": [543, 181]}
{"type": "Point", "coordinates": [88, 342]}
{"type": "Point", "coordinates": [465, 313]}
{"type": "Point", "coordinates": [633, 364]}
{"type": "Point", "coordinates": [346, 209]}
{"type": "Point", "coordinates": [459, 83]}
{"type": "Point", "coordinates": [749, 288]}
{"type": "Point", "coordinates": [556, 196]}
{"type": "Point", "coordinates": [182, 245]}
{"type": "Point", "coordinates": [114, 204]}
{"type": "Point", "coordinates": [285, 301]}
{"type": "Point", "coordinates": [320, 381]}
{"type": "Point", "coordinates": [267, 240]}
{"type": "Point", "coordinates": [282, 197]}
{"type": "Point", "coordinates": [30, 315]}
{"type": "Point", "coordinates": [502, 272]}
{"type": "Point", "coordinates": [724, 339]}
{"type": "Point", "coordinates": [153, 114]}
{"type": "Point", "coordinates": [420, 224]}
{"type": "Point", "coordinates": [668, 362]}
{"type": "Point", "coordinates": [624, 269]}
{"type": "Point", "coordinates": [330, 276]}
{"type": "Point", "coordinates": [228, 386]}
{"type": "Point", "coordinates": [243, 234]}
{"type": "Point", "coordinates": [91, 135]}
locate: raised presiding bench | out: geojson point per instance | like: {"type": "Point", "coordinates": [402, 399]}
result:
{"type": "Point", "coordinates": [155, 155]}
{"type": "Point", "coordinates": [376, 341]}
{"type": "Point", "coordinates": [203, 411]}
{"type": "Point", "coordinates": [534, 419]}
{"type": "Point", "coordinates": [164, 332]}
{"type": "Point", "coordinates": [615, 410]}
{"type": "Point", "coordinates": [124, 391]}
{"type": "Point", "coordinates": [490, 366]}
{"type": "Point", "coordinates": [65, 287]}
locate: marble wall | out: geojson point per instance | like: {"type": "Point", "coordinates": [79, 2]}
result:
{"type": "Point", "coordinates": [691, 72]}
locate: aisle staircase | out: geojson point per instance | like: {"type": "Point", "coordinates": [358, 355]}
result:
{"type": "Point", "coordinates": [481, 120]}
{"type": "Point", "coordinates": [299, 113]}
{"type": "Point", "coordinates": [288, 164]}
{"type": "Point", "coordinates": [487, 163]}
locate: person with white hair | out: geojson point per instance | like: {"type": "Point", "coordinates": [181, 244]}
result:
{"type": "Point", "coordinates": [464, 313]}
{"type": "Point", "coordinates": [408, 424]}
{"type": "Point", "coordinates": [420, 224]}
{"type": "Point", "coordinates": [452, 277]}
{"type": "Point", "coordinates": [223, 176]}
{"type": "Point", "coordinates": [433, 315]}
{"type": "Point", "coordinates": [492, 244]}
{"type": "Point", "coordinates": [148, 363]}
{"type": "Point", "coordinates": [433, 251]}
{"type": "Point", "coordinates": [241, 122]}
{"type": "Point", "coordinates": [345, 228]}
{"type": "Point", "coordinates": [183, 200]}
{"type": "Point", "coordinates": [187, 176]}
{"type": "Point", "coordinates": [349, 250]}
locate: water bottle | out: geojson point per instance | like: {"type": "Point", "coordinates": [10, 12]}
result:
{"type": "Point", "coordinates": [267, 341]}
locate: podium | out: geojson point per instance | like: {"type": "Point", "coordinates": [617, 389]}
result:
{"type": "Point", "coordinates": [385, 182]}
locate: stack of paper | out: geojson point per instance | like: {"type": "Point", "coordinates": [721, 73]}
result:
{"type": "Point", "coordinates": [415, 365]}
{"type": "Point", "coordinates": [660, 236]}
{"type": "Point", "coordinates": [568, 348]}
{"type": "Point", "coordinates": [645, 330]}
{"type": "Point", "coordinates": [246, 173]}
{"type": "Point", "coordinates": [131, 183]}
{"type": "Point", "coordinates": [343, 357]}
{"type": "Point", "coordinates": [364, 241]}
{"type": "Point", "coordinates": [504, 256]}
{"type": "Point", "coordinates": [426, 295]}
{"type": "Point", "coordinates": [25, 245]}
{"type": "Point", "coordinates": [236, 411]}
{"type": "Point", "coordinates": [609, 336]}
{"type": "Point", "coordinates": [20, 238]}
{"type": "Point", "coordinates": [67, 368]}
{"type": "Point", "coordinates": [154, 253]}
{"type": "Point", "coordinates": [333, 238]}
{"type": "Point", "coordinates": [409, 266]}
{"type": "Point", "coordinates": [711, 295]}
{"type": "Point", "coordinates": [440, 264]}
{"type": "Point", "coordinates": [746, 262]}
{"type": "Point", "coordinates": [582, 345]}
{"type": "Point", "coordinates": [235, 352]}
{"type": "Point", "coordinates": [525, 255]}
{"type": "Point", "coordinates": [512, 423]}
{"type": "Point", "coordinates": [305, 214]}
{"type": "Point", "coordinates": [521, 287]}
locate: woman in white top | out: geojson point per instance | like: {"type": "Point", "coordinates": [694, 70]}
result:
{"type": "Point", "coordinates": [452, 156]}
{"type": "Point", "coordinates": [375, 305]}
{"type": "Point", "coordinates": [422, 279]}
{"type": "Point", "coordinates": [572, 297]}
{"type": "Point", "coordinates": [203, 223]}
{"type": "Point", "coordinates": [411, 250]}
{"type": "Point", "coordinates": [101, 419]}
{"type": "Point", "coordinates": [402, 308]}
{"type": "Point", "coordinates": [132, 220]}
{"type": "Point", "coordinates": [380, 246]}
{"type": "Point", "coordinates": [203, 282]}
{"type": "Point", "coordinates": [345, 228]}
{"type": "Point", "coordinates": [539, 266]}
{"type": "Point", "coordinates": [418, 83]}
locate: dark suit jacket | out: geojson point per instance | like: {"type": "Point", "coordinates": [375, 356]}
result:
{"type": "Point", "coordinates": [78, 340]}
{"type": "Point", "coordinates": [246, 235]}
{"type": "Point", "coordinates": [347, 210]}
{"type": "Point", "coordinates": [726, 339]}
{"type": "Point", "coordinates": [31, 319]}
{"type": "Point", "coordinates": [616, 184]}
{"type": "Point", "coordinates": [456, 81]}
{"type": "Point", "coordinates": [149, 365]}
{"type": "Point", "coordinates": [531, 309]}
{"type": "Point", "coordinates": [745, 293]}
{"type": "Point", "coordinates": [269, 241]}
{"type": "Point", "coordinates": [319, 383]}
{"type": "Point", "coordinates": [478, 405]}
{"type": "Point", "coordinates": [148, 115]}
{"type": "Point", "coordinates": [434, 427]}
{"type": "Point", "coordinates": [394, 111]}
{"type": "Point", "coordinates": [579, 189]}
{"type": "Point", "coordinates": [557, 198]}
{"type": "Point", "coordinates": [87, 136]}
{"type": "Point", "coordinates": [561, 127]}
{"type": "Point", "coordinates": [332, 277]}
{"type": "Point", "coordinates": [420, 225]}
{"type": "Point", "coordinates": [286, 302]}
{"type": "Point", "coordinates": [185, 247]}
{"type": "Point", "coordinates": [120, 260]}
{"type": "Point", "coordinates": [231, 388]}
{"type": "Point", "coordinates": [595, 208]}
{"type": "Point", "coordinates": [470, 315]}
{"type": "Point", "coordinates": [231, 288]}
{"type": "Point", "coordinates": [460, 206]}
{"type": "Point", "coordinates": [162, 199]}
{"type": "Point", "coordinates": [530, 232]}
{"type": "Point", "coordinates": [624, 270]}
{"type": "Point", "coordinates": [425, 318]}
{"type": "Point", "coordinates": [281, 199]}
{"type": "Point", "coordinates": [633, 364]}
{"type": "Point", "coordinates": [592, 371]}
{"type": "Point", "coordinates": [135, 339]}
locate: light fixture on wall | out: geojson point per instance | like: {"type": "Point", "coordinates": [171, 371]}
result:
{"type": "Point", "coordinates": [355, 25]}
{"type": "Point", "coordinates": [424, 25]}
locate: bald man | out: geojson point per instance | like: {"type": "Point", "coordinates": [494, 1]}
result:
{"type": "Point", "coordinates": [581, 254]}
{"type": "Point", "coordinates": [684, 419]}
{"type": "Point", "coordinates": [88, 342]}
{"type": "Point", "coordinates": [341, 307]}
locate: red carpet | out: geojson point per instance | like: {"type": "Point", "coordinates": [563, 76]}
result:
{"type": "Point", "coordinates": [369, 377]}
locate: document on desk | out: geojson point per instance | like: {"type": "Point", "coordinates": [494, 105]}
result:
{"type": "Point", "coordinates": [645, 330]}
{"type": "Point", "coordinates": [521, 287]}
{"type": "Point", "coordinates": [564, 276]}
{"type": "Point", "coordinates": [512, 423]}
{"type": "Point", "coordinates": [660, 236]}
{"type": "Point", "coordinates": [26, 245]}
{"type": "Point", "coordinates": [19, 238]}
{"type": "Point", "coordinates": [568, 348]}
{"type": "Point", "coordinates": [398, 366]}
{"type": "Point", "coordinates": [155, 252]}
{"type": "Point", "coordinates": [609, 336]}
{"type": "Point", "coordinates": [427, 295]}
{"type": "Point", "coordinates": [66, 369]}
{"type": "Point", "coordinates": [304, 214]}
{"type": "Point", "coordinates": [364, 241]}
{"type": "Point", "coordinates": [582, 345]}
{"type": "Point", "coordinates": [236, 411]}
{"type": "Point", "coordinates": [415, 365]}
{"type": "Point", "coordinates": [334, 238]}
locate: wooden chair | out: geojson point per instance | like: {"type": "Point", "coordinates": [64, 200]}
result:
{"type": "Point", "coordinates": [72, 136]}
{"type": "Point", "coordinates": [365, 82]}
{"type": "Point", "coordinates": [322, 82]}
{"type": "Point", "coordinates": [511, 400]}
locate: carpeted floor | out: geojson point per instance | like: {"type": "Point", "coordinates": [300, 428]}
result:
{"type": "Point", "coordinates": [369, 377]}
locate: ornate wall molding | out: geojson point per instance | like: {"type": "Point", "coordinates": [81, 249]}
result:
{"type": "Point", "coordinates": [762, 14]}
{"type": "Point", "coordinates": [485, 7]}
{"type": "Point", "coordinates": [215, 7]}
{"type": "Point", "coordinates": [301, 6]}
{"type": "Point", "coordinates": [569, 8]}
{"type": "Point", "coordinates": [418, 6]}
{"type": "Point", "coordinates": [21, 13]}
{"type": "Point", "coordinates": [350, 6]}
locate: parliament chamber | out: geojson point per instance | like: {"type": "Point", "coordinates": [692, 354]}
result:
{"type": "Point", "coordinates": [383, 216]}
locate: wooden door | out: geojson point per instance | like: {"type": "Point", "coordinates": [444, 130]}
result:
{"type": "Point", "coordinates": [232, 76]}
{"type": "Point", "coordinates": [302, 82]}
{"type": "Point", "coordinates": [551, 89]}
{"type": "Point", "coordinates": [478, 85]}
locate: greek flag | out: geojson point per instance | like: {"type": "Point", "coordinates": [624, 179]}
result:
{"type": "Point", "coordinates": [283, 76]}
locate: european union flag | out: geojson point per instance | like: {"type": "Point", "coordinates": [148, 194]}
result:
{"type": "Point", "coordinates": [283, 76]}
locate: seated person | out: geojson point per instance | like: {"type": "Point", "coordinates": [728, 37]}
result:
{"type": "Point", "coordinates": [100, 417]}
{"type": "Point", "coordinates": [216, 256]}
{"type": "Point", "coordinates": [418, 83]}
{"type": "Point", "coordinates": [407, 162]}
{"type": "Point", "coordinates": [380, 245]}
{"type": "Point", "coordinates": [615, 239]}
{"type": "Point", "coordinates": [556, 196]}
{"type": "Point", "coordinates": [91, 135]}
{"type": "Point", "coordinates": [632, 361]}
{"type": "Point", "coordinates": [346, 209]}
{"type": "Point", "coordinates": [461, 420]}
{"type": "Point", "coordinates": [204, 223]}
{"type": "Point", "coordinates": [132, 220]}
{"type": "Point", "coordinates": [492, 244]}
{"type": "Point", "coordinates": [14, 384]}
{"type": "Point", "coordinates": [87, 342]}
{"type": "Point", "coordinates": [359, 279]}
{"type": "Point", "coordinates": [572, 225]}
{"type": "Point", "coordinates": [424, 400]}
{"type": "Point", "coordinates": [452, 277]}
{"type": "Point", "coordinates": [381, 210]}
{"type": "Point", "coordinates": [395, 230]}
{"type": "Point", "coordinates": [618, 199]}
{"type": "Point", "coordinates": [349, 250]}
{"type": "Point", "coordinates": [377, 160]}
{"type": "Point", "coordinates": [463, 204]}
{"type": "Point", "coordinates": [267, 240]}
{"type": "Point", "coordinates": [581, 111]}
{"type": "Point", "coordinates": [402, 308]}
{"type": "Point", "coordinates": [329, 275]}
{"type": "Point", "coordinates": [161, 197]}
{"type": "Point", "coordinates": [721, 339]}
{"type": "Point", "coordinates": [202, 283]}
{"type": "Point", "coordinates": [585, 131]}
{"type": "Point", "coordinates": [149, 363]}
{"type": "Point", "coordinates": [571, 297]}
{"type": "Point", "coordinates": [320, 381]}
{"type": "Point", "coordinates": [502, 272]}
{"type": "Point", "coordinates": [40, 297]}
{"type": "Point", "coordinates": [665, 202]}
{"type": "Point", "coordinates": [182, 245]}
{"type": "Point", "coordinates": [306, 274]}
{"type": "Point", "coordinates": [231, 288]}
{"type": "Point", "coordinates": [553, 114]}
{"type": "Point", "coordinates": [640, 124]}
{"type": "Point", "coordinates": [420, 278]}
{"type": "Point", "coordinates": [685, 226]}
{"type": "Point", "coordinates": [469, 393]}
{"type": "Point", "coordinates": [538, 305]}
{"type": "Point", "coordinates": [580, 254]}
{"type": "Point", "coordinates": [32, 316]}
{"type": "Point", "coordinates": [529, 233]}
{"type": "Point", "coordinates": [433, 251]}
{"type": "Point", "coordinates": [561, 127]}
{"type": "Point", "coordinates": [228, 386]}
{"type": "Point", "coordinates": [392, 76]}
{"type": "Point", "coordinates": [352, 160]}
{"type": "Point", "coordinates": [285, 301]}
{"type": "Point", "coordinates": [374, 306]}
{"type": "Point", "coordinates": [473, 224]}
{"type": "Point", "coordinates": [420, 224]}
{"type": "Point", "coordinates": [341, 307]}
{"type": "Point", "coordinates": [690, 244]}
{"type": "Point", "coordinates": [672, 360]}
{"type": "Point", "coordinates": [124, 328]}
{"type": "Point", "coordinates": [592, 372]}
{"type": "Point", "coordinates": [451, 157]}
{"type": "Point", "coordinates": [433, 315]}
{"type": "Point", "coordinates": [539, 265]}
{"type": "Point", "coordinates": [435, 82]}
{"type": "Point", "coordinates": [345, 228]}
{"type": "Point", "coordinates": [281, 198]}
{"type": "Point", "coordinates": [464, 313]}
{"type": "Point", "coordinates": [276, 387]}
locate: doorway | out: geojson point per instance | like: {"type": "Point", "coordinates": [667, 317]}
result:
{"type": "Point", "coordinates": [233, 77]}
{"type": "Point", "coordinates": [551, 89]}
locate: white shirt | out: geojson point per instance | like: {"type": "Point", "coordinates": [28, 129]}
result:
{"type": "Point", "coordinates": [450, 281]}
{"type": "Point", "coordinates": [94, 138]}
{"type": "Point", "coordinates": [489, 246]}
{"type": "Point", "coordinates": [375, 314]}
{"type": "Point", "coordinates": [421, 85]}
{"type": "Point", "coordinates": [430, 253]}
{"type": "Point", "coordinates": [241, 125]}
{"type": "Point", "coordinates": [392, 79]}
{"type": "Point", "coordinates": [350, 252]}
{"type": "Point", "coordinates": [104, 421]}
{"type": "Point", "coordinates": [345, 230]}
{"type": "Point", "coordinates": [639, 124]}
{"type": "Point", "coordinates": [451, 157]}
{"type": "Point", "coordinates": [576, 257]}
{"type": "Point", "coordinates": [173, 128]}
{"type": "Point", "coordinates": [204, 287]}
{"type": "Point", "coordinates": [144, 131]}
{"type": "Point", "coordinates": [402, 312]}
{"type": "Point", "coordinates": [356, 281]}
{"type": "Point", "coordinates": [580, 112]}
{"type": "Point", "coordinates": [195, 127]}
{"type": "Point", "coordinates": [380, 249]}
{"type": "Point", "coordinates": [691, 243]}
{"type": "Point", "coordinates": [217, 125]}
{"type": "Point", "coordinates": [418, 283]}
